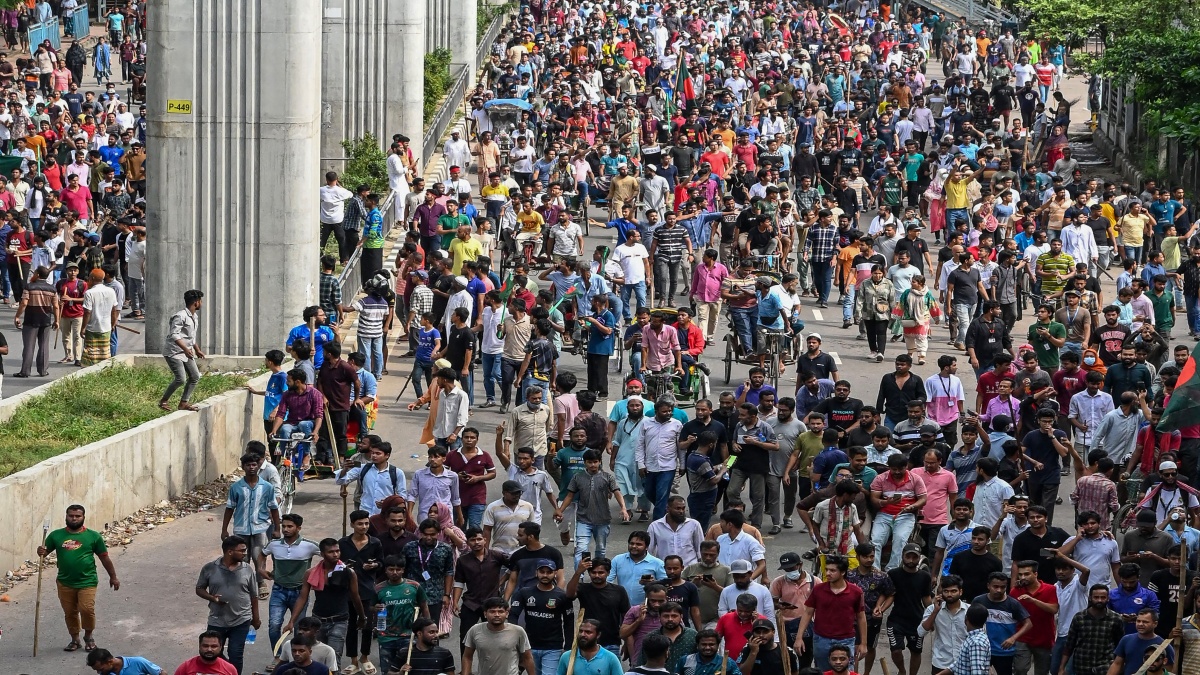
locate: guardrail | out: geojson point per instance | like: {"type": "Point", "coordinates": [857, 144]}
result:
{"type": "Point", "coordinates": [76, 26]}
{"type": "Point", "coordinates": [350, 279]}
{"type": "Point", "coordinates": [483, 52]}
{"type": "Point", "coordinates": [49, 30]}
{"type": "Point", "coordinates": [974, 11]}
{"type": "Point", "coordinates": [445, 114]}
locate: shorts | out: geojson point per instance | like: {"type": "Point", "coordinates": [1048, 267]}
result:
{"type": "Point", "coordinates": [898, 637]}
{"type": "Point", "coordinates": [874, 628]}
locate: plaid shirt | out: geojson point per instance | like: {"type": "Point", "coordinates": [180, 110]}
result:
{"type": "Point", "coordinates": [419, 302]}
{"type": "Point", "coordinates": [355, 212]}
{"type": "Point", "coordinates": [1092, 639]}
{"type": "Point", "coordinates": [1096, 493]}
{"type": "Point", "coordinates": [821, 243]}
{"type": "Point", "coordinates": [975, 655]}
{"type": "Point", "coordinates": [331, 293]}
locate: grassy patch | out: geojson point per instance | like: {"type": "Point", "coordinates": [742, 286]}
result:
{"type": "Point", "coordinates": [82, 410]}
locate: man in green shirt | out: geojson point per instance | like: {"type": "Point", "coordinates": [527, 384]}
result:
{"type": "Point", "coordinates": [292, 556]}
{"type": "Point", "coordinates": [77, 548]}
{"type": "Point", "coordinates": [404, 600]}
{"type": "Point", "coordinates": [1163, 302]}
{"type": "Point", "coordinates": [1047, 336]}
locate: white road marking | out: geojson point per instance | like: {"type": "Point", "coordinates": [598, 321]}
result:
{"type": "Point", "coordinates": [817, 315]}
{"type": "Point", "coordinates": [836, 359]}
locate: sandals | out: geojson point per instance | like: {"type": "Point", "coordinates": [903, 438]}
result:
{"type": "Point", "coordinates": [369, 668]}
{"type": "Point", "coordinates": [349, 670]}
{"type": "Point", "coordinates": [188, 407]}
{"type": "Point", "coordinates": [89, 644]}
{"type": "Point", "coordinates": [165, 406]}
{"type": "Point", "coordinates": [73, 646]}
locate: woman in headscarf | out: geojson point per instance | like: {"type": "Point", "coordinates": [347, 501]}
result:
{"type": "Point", "coordinates": [916, 307]}
{"type": "Point", "coordinates": [936, 206]}
{"type": "Point", "coordinates": [1091, 361]}
{"type": "Point", "coordinates": [450, 535]}
{"type": "Point", "coordinates": [379, 521]}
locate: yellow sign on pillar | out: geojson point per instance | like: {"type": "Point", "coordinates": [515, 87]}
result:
{"type": "Point", "coordinates": [179, 107]}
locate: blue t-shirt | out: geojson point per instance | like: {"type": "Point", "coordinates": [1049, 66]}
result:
{"type": "Point", "coordinates": [324, 335]}
{"type": "Point", "coordinates": [623, 227]}
{"type": "Point", "coordinates": [1133, 649]}
{"type": "Point", "coordinates": [115, 21]}
{"type": "Point", "coordinates": [425, 340]}
{"type": "Point", "coordinates": [1003, 619]}
{"type": "Point", "coordinates": [825, 460]}
{"type": "Point", "coordinates": [599, 343]}
{"type": "Point", "coordinates": [368, 385]}
{"type": "Point", "coordinates": [1164, 214]}
{"type": "Point", "coordinates": [112, 157]}
{"type": "Point", "coordinates": [276, 385]}
{"type": "Point", "coordinates": [770, 308]}
{"type": "Point", "coordinates": [136, 665]}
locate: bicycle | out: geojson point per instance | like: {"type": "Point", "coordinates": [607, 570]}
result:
{"type": "Point", "coordinates": [290, 452]}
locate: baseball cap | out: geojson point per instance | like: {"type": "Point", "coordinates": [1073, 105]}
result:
{"type": "Point", "coordinates": [1168, 465]}
{"type": "Point", "coordinates": [741, 567]}
{"type": "Point", "coordinates": [511, 486]}
{"type": "Point", "coordinates": [911, 227]}
{"type": "Point", "coordinates": [814, 336]}
{"type": "Point", "coordinates": [1146, 517]}
{"type": "Point", "coordinates": [545, 562]}
{"type": "Point", "coordinates": [929, 429]}
{"type": "Point", "coordinates": [912, 548]}
{"type": "Point", "coordinates": [788, 560]}
{"type": "Point", "coordinates": [764, 624]}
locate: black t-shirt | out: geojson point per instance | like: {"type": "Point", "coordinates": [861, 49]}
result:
{"type": "Point", "coordinates": [696, 427]}
{"type": "Point", "coordinates": [547, 616]}
{"type": "Point", "coordinates": [974, 570]}
{"type": "Point", "coordinates": [759, 239]}
{"type": "Point", "coordinates": [911, 589]}
{"type": "Point", "coordinates": [1028, 546]}
{"type": "Point", "coordinates": [1108, 340]}
{"type": "Point", "coordinates": [1038, 447]}
{"type": "Point", "coordinates": [525, 561]}
{"type": "Point", "coordinates": [965, 285]}
{"type": "Point", "coordinates": [729, 223]}
{"type": "Point", "coordinates": [827, 162]}
{"type": "Point", "coordinates": [688, 596]}
{"type": "Point", "coordinates": [606, 605]}
{"type": "Point", "coordinates": [916, 248]}
{"type": "Point", "coordinates": [821, 366]}
{"type": "Point", "coordinates": [849, 159]}
{"type": "Point", "coordinates": [769, 661]}
{"type": "Point", "coordinates": [460, 340]}
{"type": "Point", "coordinates": [435, 661]}
{"type": "Point", "coordinates": [1165, 585]}
{"type": "Point", "coordinates": [840, 414]}
{"type": "Point", "coordinates": [682, 157]}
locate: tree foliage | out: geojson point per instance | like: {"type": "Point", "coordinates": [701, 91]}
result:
{"type": "Point", "coordinates": [365, 164]}
{"type": "Point", "coordinates": [1164, 71]}
{"type": "Point", "coordinates": [437, 80]}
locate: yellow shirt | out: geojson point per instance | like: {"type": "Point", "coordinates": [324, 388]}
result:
{"type": "Point", "coordinates": [1107, 211]}
{"type": "Point", "coordinates": [531, 222]}
{"type": "Point", "coordinates": [956, 194]}
{"type": "Point", "coordinates": [499, 193]}
{"type": "Point", "coordinates": [464, 251]}
{"type": "Point", "coordinates": [1133, 229]}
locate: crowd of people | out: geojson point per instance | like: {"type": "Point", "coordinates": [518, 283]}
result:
{"type": "Point", "coordinates": [749, 155]}
{"type": "Point", "coordinates": [73, 193]}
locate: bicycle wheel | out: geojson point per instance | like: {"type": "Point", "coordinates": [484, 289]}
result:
{"type": "Point", "coordinates": [728, 360]}
{"type": "Point", "coordinates": [703, 390]}
{"type": "Point", "coordinates": [287, 487]}
{"type": "Point", "coordinates": [619, 354]}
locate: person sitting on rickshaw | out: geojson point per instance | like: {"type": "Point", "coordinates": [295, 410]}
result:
{"type": "Point", "coordinates": [660, 346]}
{"type": "Point", "coordinates": [691, 345]}
{"type": "Point", "coordinates": [762, 240]}
{"type": "Point", "coordinates": [531, 223]}
{"type": "Point", "coordinates": [773, 301]}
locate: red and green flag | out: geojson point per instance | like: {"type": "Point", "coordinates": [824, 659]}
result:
{"type": "Point", "coordinates": [1183, 410]}
{"type": "Point", "coordinates": [506, 291]}
{"type": "Point", "coordinates": [570, 294]}
{"type": "Point", "coordinates": [685, 91]}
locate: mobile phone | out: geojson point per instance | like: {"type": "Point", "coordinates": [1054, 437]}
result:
{"type": "Point", "coordinates": [1046, 553]}
{"type": "Point", "coordinates": [707, 577]}
{"type": "Point", "coordinates": [585, 556]}
{"type": "Point", "coordinates": [647, 576]}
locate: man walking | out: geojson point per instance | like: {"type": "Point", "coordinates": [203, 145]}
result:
{"type": "Point", "coordinates": [292, 555]}
{"type": "Point", "coordinates": [497, 647]}
{"type": "Point", "coordinates": [656, 454]}
{"type": "Point", "coordinates": [100, 313]}
{"type": "Point", "coordinates": [254, 511]}
{"type": "Point", "coordinates": [228, 585]}
{"type": "Point", "coordinates": [40, 308]}
{"type": "Point", "coordinates": [77, 548]}
{"type": "Point", "coordinates": [181, 348]}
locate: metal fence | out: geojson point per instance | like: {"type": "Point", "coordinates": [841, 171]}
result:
{"type": "Point", "coordinates": [484, 51]}
{"type": "Point", "coordinates": [40, 32]}
{"type": "Point", "coordinates": [351, 279]}
{"type": "Point", "coordinates": [445, 114]}
{"type": "Point", "coordinates": [77, 25]}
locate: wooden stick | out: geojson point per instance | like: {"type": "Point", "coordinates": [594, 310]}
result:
{"type": "Point", "coordinates": [883, 662]}
{"type": "Point", "coordinates": [781, 627]}
{"type": "Point", "coordinates": [37, 607]}
{"type": "Point", "coordinates": [575, 644]}
{"type": "Point", "coordinates": [1162, 647]}
{"type": "Point", "coordinates": [1183, 597]}
{"type": "Point", "coordinates": [312, 339]}
{"type": "Point", "coordinates": [412, 637]}
{"type": "Point", "coordinates": [131, 330]}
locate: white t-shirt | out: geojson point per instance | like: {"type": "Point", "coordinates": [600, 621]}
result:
{"type": "Point", "coordinates": [135, 256]}
{"type": "Point", "coordinates": [630, 259]}
{"type": "Point", "coordinates": [333, 203]}
{"type": "Point", "coordinates": [100, 301]}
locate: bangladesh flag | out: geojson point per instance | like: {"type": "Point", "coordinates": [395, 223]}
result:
{"type": "Point", "coordinates": [685, 91]}
{"type": "Point", "coordinates": [10, 162]}
{"type": "Point", "coordinates": [1184, 408]}
{"type": "Point", "coordinates": [571, 293]}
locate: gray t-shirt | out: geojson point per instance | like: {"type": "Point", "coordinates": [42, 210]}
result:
{"type": "Point", "coordinates": [497, 652]}
{"type": "Point", "coordinates": [235, 587]}
{"type": "Point", "coordinates": [591, 494]}
{"type": "Point", "coordinates": [786, 434]}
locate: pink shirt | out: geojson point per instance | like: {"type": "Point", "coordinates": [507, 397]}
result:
{"type": "Point", "coordinates": [659, 348]}
{"type": "Point", "coordinates": [910, 488]}
{"type": "Point", "coordinates": [706, 283]}
{"type": "Point", "coordinates": [938, 488]}
{"type": "Point", "coordinates": [77, 200]}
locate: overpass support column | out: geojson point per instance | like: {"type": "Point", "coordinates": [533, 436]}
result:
{"type": "Point", "coordinates": [405, 71]}
{"type": "Point", "coordinates": [464, 37]}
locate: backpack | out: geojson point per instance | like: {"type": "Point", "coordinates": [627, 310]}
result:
{"type": "Point", "coordinates": [393, 473]}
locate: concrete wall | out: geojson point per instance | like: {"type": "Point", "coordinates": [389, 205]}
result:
{"type": "Point", "coordinates": [113, 478]}
{"type": "Point", "coordinates": [234, 202]}
{"type": "Point", "coordinates": [464, 33]}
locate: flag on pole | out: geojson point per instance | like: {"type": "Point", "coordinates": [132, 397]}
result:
{"type": "Point", "coordinates": [684, 90]}
{"type": "Point", "coordinates": [506, 291]}
{"type": "Point", "coordinates": [1183, 410]}
{"type": "Point", "coordinates": [570, 294]}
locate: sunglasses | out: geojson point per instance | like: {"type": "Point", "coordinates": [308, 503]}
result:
{"type": "Point", "coordinates": [1168, 474]}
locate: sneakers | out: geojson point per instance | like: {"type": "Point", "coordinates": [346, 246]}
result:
{"type": "Point", "coordinates": [872, 355]}
{"type": "Point", "coordinates": [846, 323]}
{"type": "Point", "coordinates": [775, 529]}
{"type": "Point", "coordinates": [504, 409]}
{"type": "Point", "coordinates": [960, 346]}
{"type": "Point", "coordinates": [490, 403]}
{"type": "Point", "coordinates": [878, 358]}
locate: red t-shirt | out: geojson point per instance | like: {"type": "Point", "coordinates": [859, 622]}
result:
{"type": "Point", "coordinates": [748, 155]}
{"type": "Point", "coordinates": [1042, 632]}
{"type": "Point", "coordinates": [838, 617]}
{"type": "Point", "coordinates": [717, 161]}
{"type": "Point", "coordinates": [194, 666]}
{"type": "Point", "coordinates": [734, 632]}
{"type": "Point", "coordinates": [1045, 73]}
{"type": "Point", "coordinates": [480, 464]}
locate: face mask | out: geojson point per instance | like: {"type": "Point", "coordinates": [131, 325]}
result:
{"type": "Point", "coordinates": [793, 575]}
{"type": "Point", "coordinates": [1089, 360]}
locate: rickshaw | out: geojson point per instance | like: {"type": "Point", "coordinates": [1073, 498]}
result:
{"type": "Point", "coordinates": [775, 345]}
{"type": "Point", "coordinates": [504, 114]}
{"type": "Point", "coordinates": [692, 387]}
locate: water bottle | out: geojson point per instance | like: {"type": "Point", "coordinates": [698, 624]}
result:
{"type": "Point", "coordinates": [251, 636]}
{"type": "Point", "coordinates": [381, 620]}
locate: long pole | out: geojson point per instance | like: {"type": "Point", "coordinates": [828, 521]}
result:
{"type": "Point", "coordinates": [411, 636]}
{"type": "Point", "coordinates": [575, 645]}
{"type": "Point", "coordinates": [37, 606]}
{"type": "Point", "coordinates": [781, 627]}
{"type": "Point", "coordinates": [1183, 597]}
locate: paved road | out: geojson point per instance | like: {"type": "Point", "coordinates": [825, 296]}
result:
{"type": "Point", "coordinates": [156, 614]}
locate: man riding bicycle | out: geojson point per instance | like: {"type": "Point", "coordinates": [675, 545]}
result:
{"type": "Point", "coordinates": [773, 301]}
{"type": "Point", "coordinates": [303, 407]}
{"type": "Point", "coordinates": [660, 347]}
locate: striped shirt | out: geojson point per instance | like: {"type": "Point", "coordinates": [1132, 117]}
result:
{"type": "Point", "coordinates": [251, 506]}
{"type": "Point", "coordinates": [373, 311]}
{"type": "Point", "coordinates": [670, 243]}
{"type": "Point", "coordinates": [419, 302]}
{"type": "Point", "coordinates": [1059, 264]}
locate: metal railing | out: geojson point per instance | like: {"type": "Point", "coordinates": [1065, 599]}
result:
{"type": "Point", "coordinates": [975, 11]}
{"type": "Point", "coordinates": [484, 51]}
{"type": "Point", "coordinates": [350, 279]}
{"type": "Point", "coordinates": [39, 32]}
{"type": "Point", "coordinates": [445, 114]}
{"type": "Point", "coordinates": [77, 25]}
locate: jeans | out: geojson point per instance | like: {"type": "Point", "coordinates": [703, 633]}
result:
{"type": "Point", "coordinates": [422, 370]}
{"type": "Point", "coordinates": [953, 216]}
{"type": "Point", "coordinates": [333, 632]}
{"type": "Point", "coordinates": [898, 529]}
{"type": "Point", "coordinates": [473, 514]}
{"type": "Point", "coordinates": [962, 317]}
{"type": "Point", "coordinates": [584, 533]}
{"type": "Point", "coordinates": [758, 492]}
{"type": "Point", "coordinates": [821, 646]}
{"type": "Point", "coordinates": [1056, 656]}
{"type": "Point", "coordinates": [1193, 316]}
{"type": "Point", "coordinates": [638, 291]}
{"type": "Point", "coordinates": [234, 638]}
{"type": "Point", "coordinates": [546, 661]}
{"type": "Point", "coordinates": [372, 347]}
{"type": "Point", "coordinates": [392, 654]}
{"type": "Point", "coordinates": [616, 305]}
{"type": "Point", "coordinates": [282, 601]}
{"type": "Point", "coordinates": [137, 295]}
{"type": "Point", "coordinates": [182, 370]}
{"type": "Point", "coordinates": [1073, 347]}
{"type": "Point", "coordinates": [303, 426]}
{"type": "Point", "coordinates": [1134, 252]}
{"type": "Point", "coordinates": [491, 375]}
{"type": "Point", "coordinates": [700, 507]}
{"type": "Point", "coordinates": [743, 324]}
{"type": "Point", "coordinates": [657, 485]}
{"type": "Point", "coordinates": [112, 341]}
{"type": "Point", "coordinates": [1044, 91]}
{"type": "Point", "coordinates": [666, 281]}
{"type": "Point", "coordinates": [822, 274]}
{"type": "Point", "coordinates": [848, 302]}
{"type": "Point", "coordinates": [508, 371]}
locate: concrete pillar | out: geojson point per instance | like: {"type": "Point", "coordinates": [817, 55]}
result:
{"type": "Point", "coordinates": [353, 59]}
{"type": "Point", "coordinates": [464, 33]}
{"type": "Point", "coordinates": [234, 128]}
{"type": "Point", "coordinates": [405, 71]}
{"type": "Point", "coordinates": [437, 24]}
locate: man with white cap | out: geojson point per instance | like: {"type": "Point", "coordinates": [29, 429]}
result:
{"type": "Point", "coordinates": [653, 190]}
{"type": "Point", "coordinates": [461, 297]}
{"type": "Point", "coordinates": [743, 571]}
{"type": "Point", "coordinates": [1170, 493]}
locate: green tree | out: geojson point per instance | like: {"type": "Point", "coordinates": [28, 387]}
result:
{"type": "Point", "coordinates": [1164, 71]}
{"type": "Point", "coordinates": [437, 80]}
{"type": "Point", "coordinates": [366, 164]}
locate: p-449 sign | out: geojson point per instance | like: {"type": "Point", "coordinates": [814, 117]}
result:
{"type": "Point", "coordinates": [179, 107]}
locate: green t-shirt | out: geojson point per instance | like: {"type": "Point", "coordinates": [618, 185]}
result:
{"type": "Point", "coordinates": [1047, 354]}
{"type": "Point", "coordinates": [400, 599]}
{"type": "Point", "coordinates": [449, 222]}
{"type": "Point", "coordinates": [77, 553]}
{"type": "Point", "coordinates": [810, 446]}
{"type": "Point", "coordinates": [570, 461]}
{"type": "Point", "coordinates": [893, 192]}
